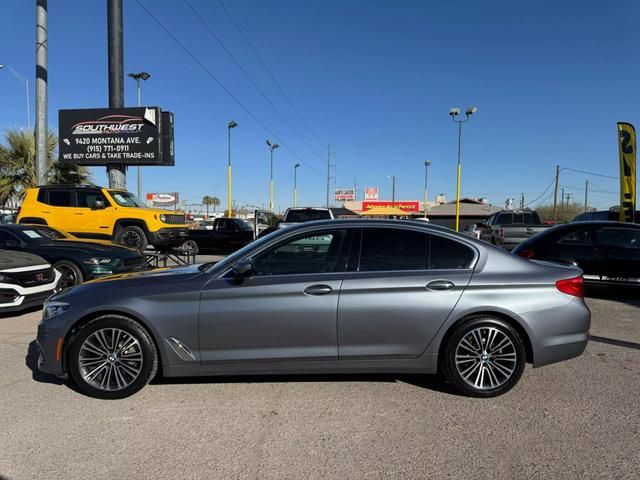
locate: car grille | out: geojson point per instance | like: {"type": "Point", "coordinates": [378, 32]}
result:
{"type": "Point", "coordinates": [32, 278]}
{"type": "Point", "coordinates": [8, 296]}
{"type": "Point", "coordinates": [174, 219]}
{"type": "Point", "coordinates": [36, 298]}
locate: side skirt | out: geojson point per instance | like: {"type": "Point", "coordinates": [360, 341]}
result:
{"type": "Point", "coordinates": [426, 364]}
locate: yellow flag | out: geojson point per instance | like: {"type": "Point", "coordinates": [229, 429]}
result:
{"type": "Point", "coordinates": [627, 147]}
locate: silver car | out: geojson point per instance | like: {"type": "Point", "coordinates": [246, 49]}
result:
{"type": "Point", "coordinates": [323, 297]}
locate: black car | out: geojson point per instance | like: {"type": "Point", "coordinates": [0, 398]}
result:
{"type": "Point", "coordinates": [76, 259]}
{"type": "Point", "coordinates": [612, 215]}
{"type": "Point", "coordinates": [607, 252]}
{"type": "Point", "coordinates": [224, 235]}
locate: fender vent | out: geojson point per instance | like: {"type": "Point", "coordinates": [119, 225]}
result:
{"type": "Point", "coordinates": [181, 349]}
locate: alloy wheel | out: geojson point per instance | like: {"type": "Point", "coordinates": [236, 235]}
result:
{"type": "Point", "coordinates": [110, 359]}
{"type": "Point", "coordinates": [68, 277]}
{"type": "Point", "coordinates": [131, 239]}
{"type": "Point", "coordinates": [486, 358]}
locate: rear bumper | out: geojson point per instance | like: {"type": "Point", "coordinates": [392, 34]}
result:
{"type": "Point", "coordinates": [559, 333]}
{"type": "Point", "coordinates": [168, 237]}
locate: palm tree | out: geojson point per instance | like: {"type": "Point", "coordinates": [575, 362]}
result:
{"type": "Point", "coordinates": [18, 165]}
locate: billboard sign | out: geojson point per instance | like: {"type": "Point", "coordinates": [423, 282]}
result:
{"type": "Point", "coordinates": [163, 199]}
{"type": "Point", "coordinates": [103, 136]}
{"type": "Point", "coordinates": [406, 206]}
{"type": "Point", "coordinates": [344, 194]}
{"type": "Point", "coordinates": [370, 193]}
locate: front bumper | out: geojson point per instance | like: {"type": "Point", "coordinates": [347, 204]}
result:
{"type": "Point", "coordinates": [50, 333]}
{"type": "Point", "coordinates": [168, 237]}
{"type": "Point", "coordinates": [26, 297]}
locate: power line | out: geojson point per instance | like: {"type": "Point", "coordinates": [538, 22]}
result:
{"type": "Point", "coordinates": [221, 85]}
{"type": "Point", "coordinates": [545, 191]}
{"type": "Point", "coordinates": [250, 78]}
{"type": "Point", "coordinates": [589, 173]}
{"type": "Point", "coordinates": [269, 71]}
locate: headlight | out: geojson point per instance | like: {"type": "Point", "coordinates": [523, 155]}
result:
{"type": "Point", "coordinates": [163, 218]}
{"type": "Point", "coordinates": [53, 309]}
{"type": "Point", "coordinates": [99, 261]}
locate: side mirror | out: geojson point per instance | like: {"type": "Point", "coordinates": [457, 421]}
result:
{"type": "Point", "coordinates": [242, 269]}
{"type": "Point", "coordinates": [98, 205]}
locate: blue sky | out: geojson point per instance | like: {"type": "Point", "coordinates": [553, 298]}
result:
{"type": "Point", "coordinates": [375, 78]}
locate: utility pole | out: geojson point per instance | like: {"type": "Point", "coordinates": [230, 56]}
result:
{"type": "Point", "coordinates": [137, 77]}
{"type": "Point", "coordinates": [329, 177]}
{"type": "Point", "coordinates": [41, 134]}
{"type": "Point", "coordinates": [522, 201]}
{"type": "Point", "coordinates": [586, 194]}
{"type": "Point", "coordinates": [555, 192]}
{"type": "Point", "coordinates": [355, 189]}
{"type": "Point", "coordinates": [116, 172]}
{"type": "Point", "coordinates": [562, 202]}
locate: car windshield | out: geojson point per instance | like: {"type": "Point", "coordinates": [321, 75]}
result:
{"type": "Point", "coordinates": [242, 225]}
{"type": "Point", "coordinates": [36, 234]}
{"type": "Point", "coordinates": [126, 199]}
{"type": "Point", "coordinates": [307, 215]}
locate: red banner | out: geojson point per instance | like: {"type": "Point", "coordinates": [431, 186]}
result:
{"type": "Point", "coordinates": [406, 206]}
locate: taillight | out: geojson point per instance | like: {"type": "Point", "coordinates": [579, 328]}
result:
{"type": "Point", "coordinates": [571, 286]}
{"type": "Point", "coordinates": [501, 232]}
{"type": "Point", "coordinates": [526, 253]}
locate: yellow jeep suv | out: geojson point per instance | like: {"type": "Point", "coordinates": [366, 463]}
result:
{"type": "Point", "coordinates": [102, 213]}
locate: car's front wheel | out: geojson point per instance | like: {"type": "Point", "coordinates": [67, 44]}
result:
{"type": "Point", "coordinates": [112, 357]}
{"type": "Point", "coordinates": [132, 237]}
{"type": "Point", "coordinates": [484, 357]}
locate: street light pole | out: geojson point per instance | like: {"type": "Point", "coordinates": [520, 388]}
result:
{"type": "Point", "coordinates": [426, 176]}
{"type": "Point", "coordinates": [295, 184]}
{"type": "Point", "coordinates": [393, 189]}
{"type": "Point", "coordinates": [232, 124]}
{"type": "Point", "coordinates": [25, 82]}
{"type": "Point", "coordinates": [454, 112]}
{"type": "Point", "coordinates": [272, 147]}
{"type": "Point", "coordinates": [137, 77]}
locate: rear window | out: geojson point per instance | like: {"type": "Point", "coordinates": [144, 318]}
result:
{"type": "Point", "coordinates": [579, 237]}
{"type": "Point", "coordinates": [518, 218]}
{"type": "Point", "coordinates": [298, 216]}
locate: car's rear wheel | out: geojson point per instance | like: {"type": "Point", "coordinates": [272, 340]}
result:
{"type": "Point", "coordinates": [484, 357]}
{"type": "Point", "coordinates": [112, 357]}
{"type": "Point", "coordinates": [132, 237]}
{"type": "Point", "coordinates": [70, 274]}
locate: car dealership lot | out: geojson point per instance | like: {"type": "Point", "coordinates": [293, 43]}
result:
{"type": "Point", "coordinates": [576, 419]}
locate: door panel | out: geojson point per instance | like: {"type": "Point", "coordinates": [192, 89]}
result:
{"type": "Point", "coordinates": [268, 318]}
{"type": "Point", "coordinates": [93, 221]}
{"type": "Point", "coordinates": [394, 314]}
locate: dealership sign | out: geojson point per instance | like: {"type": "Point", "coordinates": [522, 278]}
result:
{"type": "Point", "coordinates": [129, 136]}
{"type": "Point", "coordinates": [163, 199]}
{"type": "Point", "coordinates": [344, 194]}
{"type": "Point", "coordinates": [371, 193]}
{"type": "Point", "coordinates": [406, 206]}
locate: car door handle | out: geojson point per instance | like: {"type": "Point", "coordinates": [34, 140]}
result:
{"type": "Point", "coordinates": [440, 285]}
{"type": "Point", "coordinates": [318, 290]}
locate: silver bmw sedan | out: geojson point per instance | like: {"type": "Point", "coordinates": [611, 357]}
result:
{"type": "Point", "coordinates": [335, 296]}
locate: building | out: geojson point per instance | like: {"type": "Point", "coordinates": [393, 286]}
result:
{"type": "Point", "coordinates": [472, 211]}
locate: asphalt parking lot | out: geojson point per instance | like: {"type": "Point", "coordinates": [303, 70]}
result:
{"type": "Point", "coordinates": [578, 419]}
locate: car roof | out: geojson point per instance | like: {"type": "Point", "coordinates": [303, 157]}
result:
{"type": "Point", "coordinates": [79, 186]}
{"type": "Point", "coordinates": [600, 223]}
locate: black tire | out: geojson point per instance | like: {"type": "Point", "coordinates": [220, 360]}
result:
{"type": "Point", "coordinates": [190, 245]}
{"type": "Point", "coordinates": [510, 358]}
{"type": "Point", "coordinates": [132, 237]}
{"type": "Point", "coordinates": [71, 274]}
{"type": "Point", "coordinates": [144, 348]}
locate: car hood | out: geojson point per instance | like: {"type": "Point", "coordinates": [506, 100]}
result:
{"type": "Point", "coordinates": [12, 259]}
{"type": "Point", "coordinates": [152, 275]}
{"type": "Point", "coordinates": [90, 247]}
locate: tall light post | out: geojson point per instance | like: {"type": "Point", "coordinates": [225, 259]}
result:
{"type": "Point", "coordinates": [295, 184]}
{"type": "Point", "coordinates": [393, 189]}
{"type": "Point", "coordinates": [25, 82]}
{"type": "Point", "coordinates": [454, 112]}
{"type": "Point", "coordinates": [232, 124]}
{"type": "Point", "coordinates": [137, 77]}
{"type": "Point", "coordinates": [426, 176]}
{"type": "Point", "coordinates": [272, 147]}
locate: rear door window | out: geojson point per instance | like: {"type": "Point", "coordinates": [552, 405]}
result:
{"type": "Point", "coordinates": [60, 198]}
{"type": "Point", "coordinates": [386, 249]}
{"type": "Point", "coordinates": [445, 253]}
